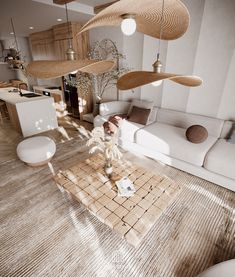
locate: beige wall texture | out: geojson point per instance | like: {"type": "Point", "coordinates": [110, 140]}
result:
{"type": "Point", "coordinates": [206, 50]}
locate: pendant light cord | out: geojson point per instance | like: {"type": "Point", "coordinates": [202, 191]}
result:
{"type": "Point", "coordinates": [67, 19]}
{"type": "Point", "coordinates": [161, 29]}
{"type": "Point", "coordinates": [13, 29]}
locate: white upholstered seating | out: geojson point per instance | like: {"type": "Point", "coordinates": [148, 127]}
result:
{"type": "Point", "coordinates": [36, 151]}
{"type": "Point", "coordinates": [163, 138]}
{"type": "Point", "coordinates": [221, 158]}
{"type": "Point", "coordinates": [171, 141]}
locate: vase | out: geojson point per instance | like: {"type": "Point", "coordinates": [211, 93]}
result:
{"type": "Point", "coordinates": [96, 109]}
{"type": "Point", "coordinates": [108, 168]}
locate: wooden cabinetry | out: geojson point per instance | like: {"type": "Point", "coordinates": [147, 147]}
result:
{"type": "Point", "coordinates": [52, 45]}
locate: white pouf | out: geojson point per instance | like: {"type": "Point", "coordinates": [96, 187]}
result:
{"type": "Point", "coordinates": [226, 269]}
{"type": "Point", "coordinates": [36, 151]}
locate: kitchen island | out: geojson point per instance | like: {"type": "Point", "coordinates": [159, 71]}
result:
{"type": "Point", "coordinates": [30, 113]}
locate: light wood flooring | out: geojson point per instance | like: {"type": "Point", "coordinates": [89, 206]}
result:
{"type": "Point", "coordinates": [45, 233]}
{"type": "Point", "coordinates": [9, 138]}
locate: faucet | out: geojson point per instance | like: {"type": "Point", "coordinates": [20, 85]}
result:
{"type": "Point", "coordinates": [19, 89]}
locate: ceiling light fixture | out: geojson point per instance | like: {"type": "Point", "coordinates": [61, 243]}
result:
{"type": "Point", "coordinates": [136, 79]}
{"type": "Point", "coordinates": [15, 61]}
{"type": "Point", "coordinates": [128, 25]}
{"type": "Point", "coordinates": [147, 15]}
{"type": "Point", "coordinates": [46, 69]}
{"type": "Point", "coordinates": [31, 27]}
{"type": "Point", "coordinates": [71, 54]}
{"type": "Point", "coordinates": [59, 19]}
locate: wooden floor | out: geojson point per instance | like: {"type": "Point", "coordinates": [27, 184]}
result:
{"type": "Point", "coordinates": [9, 138]}
{"type": "Point", "coordinates": [45, 233]}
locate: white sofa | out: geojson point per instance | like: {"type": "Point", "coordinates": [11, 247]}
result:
{"type": "Point", "coordinates": [164, 139]}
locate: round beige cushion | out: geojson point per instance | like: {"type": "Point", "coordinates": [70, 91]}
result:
{"type": "Point", "coordinates": [36, 150]}
{"type": "Point", "coordinates": [196, 134]}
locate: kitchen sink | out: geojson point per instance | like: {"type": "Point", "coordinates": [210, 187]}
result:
{"type": "Point", "coordinates": [30, 95]}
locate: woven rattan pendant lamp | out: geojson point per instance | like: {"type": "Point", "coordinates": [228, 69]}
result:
{"type": "Point", "coordinates": [135, 79]}
{"type": "Point", "coordinates": [45, 69]}
{"type": "Point", "coordinates": [147, 15]}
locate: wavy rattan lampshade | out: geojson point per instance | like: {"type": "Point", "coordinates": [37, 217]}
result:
{"type": "Point", "coordinates": [136, 79]}
{"type": "Point", "coordinates": [54, 69]}
{"type": "Point", "coordinates": [147, 16]}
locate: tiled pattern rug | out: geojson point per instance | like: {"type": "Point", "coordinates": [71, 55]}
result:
{"type": "Point", "coordinates": [131, 217]}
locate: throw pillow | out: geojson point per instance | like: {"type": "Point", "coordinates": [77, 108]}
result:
{"type": "Point", "coordinates": [196, 134]}
{"type": "Point", "coordinates": [231, 137]}
{"type": "Point", "coordinates": [114, 122]}
{"type": "Point", "coordinates": [139, 115]}
{"type": "Point", "coordinates": [142, 104]}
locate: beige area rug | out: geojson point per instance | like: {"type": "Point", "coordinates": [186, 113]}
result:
{"type": "Point", "coordinates": [43, 233]}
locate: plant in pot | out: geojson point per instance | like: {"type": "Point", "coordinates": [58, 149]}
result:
{"type": "Point", "coordinates": [102, 50]}
{"type": "Point", "coordinates": [98, 84]}
{"type": "Point", "coordinates": [99, 140]}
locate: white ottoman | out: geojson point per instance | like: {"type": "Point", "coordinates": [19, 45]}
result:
{"type": "Point", "coordinates": [36, 151]}
{"type": "Point", "coordinates": [226, 269]}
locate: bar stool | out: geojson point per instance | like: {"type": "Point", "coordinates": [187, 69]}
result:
{"type": "Point", "coordinates": [3, 111]}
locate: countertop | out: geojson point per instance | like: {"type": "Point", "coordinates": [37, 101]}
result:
{"type": "Point", "coordinates": [53, 91]}
{"type": "Point", "coordinates": [14, 97]}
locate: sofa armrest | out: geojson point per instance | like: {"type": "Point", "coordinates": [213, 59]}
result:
{"type": "Point", "coordinates": [114, 107]}
{"type": "Point", "coordinates": [100, 120]}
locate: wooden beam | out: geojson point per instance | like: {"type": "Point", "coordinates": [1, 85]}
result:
{"type": "Point", "coordinates": [62, 2]}
{"type": "Point", "coordinates": [99, 8]}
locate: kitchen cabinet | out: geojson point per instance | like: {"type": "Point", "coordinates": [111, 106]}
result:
{"type": "Point", "coordinates": [52, 45]}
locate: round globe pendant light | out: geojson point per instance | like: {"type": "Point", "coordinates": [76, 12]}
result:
{"type": "Point", "coordinates": [128, 25]}
{"type": "Point", "coordinates": [135, 79]}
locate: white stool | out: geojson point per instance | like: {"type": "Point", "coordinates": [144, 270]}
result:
{"type": "Point", "coordinates": [226, 269]}
{"type": "Point", "coordinates": [36, 151]}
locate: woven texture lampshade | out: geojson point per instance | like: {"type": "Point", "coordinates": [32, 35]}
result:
{"type": "Point", "coordinates": [54, 69]}
{"type": "Point", "coordinates": [147, 16]}
{"type": "Point", "coordinates": [136, 79]}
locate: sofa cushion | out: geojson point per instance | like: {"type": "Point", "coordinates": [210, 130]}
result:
{"type": "Point", "coordinates": [100, 120]}
{"type": "Point", "coordinates": [128, 129]}
{"type": "Point", "coordinates": [114, 107]}
{"type": "Point", "coordinates": [221, 159]}
{"type": "Point", "coordinates": [185, 120]}
{"type": "Point", "coordinates": [227, 129]}
{"type": "Point", "coordinates": [142, 104]}
{"type": "Point", "coordinates": [231, 137]}
{"type": "Point", "coordinates": [171, 141]}
{"type": "Point", "coordinates": [139, 115]}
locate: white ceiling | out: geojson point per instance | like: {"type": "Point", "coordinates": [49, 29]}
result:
{"type": "Point", "coordinates": [41, 14]}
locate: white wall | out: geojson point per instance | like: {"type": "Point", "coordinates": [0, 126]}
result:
{"type": "Point", "coordinates": [25, 52]}
{"type": "Point", "coordinates": [206, 50]}
{"type": "Point", "coordinates": [214, 53]}
{"type": "Point", "coordinates": [6, 73]}
{"type": "Point", "coordinates": [180, 58]}
{"type": "Point", "coordinates": [23, 45]}
{"type": "Point", "coordinates": [227, 101]}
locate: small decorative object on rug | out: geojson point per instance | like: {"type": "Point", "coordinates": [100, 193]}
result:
{"type": "Point", "coordinates": [125, 187]}
{"type": "Point", "coordinates": [100, 141]}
